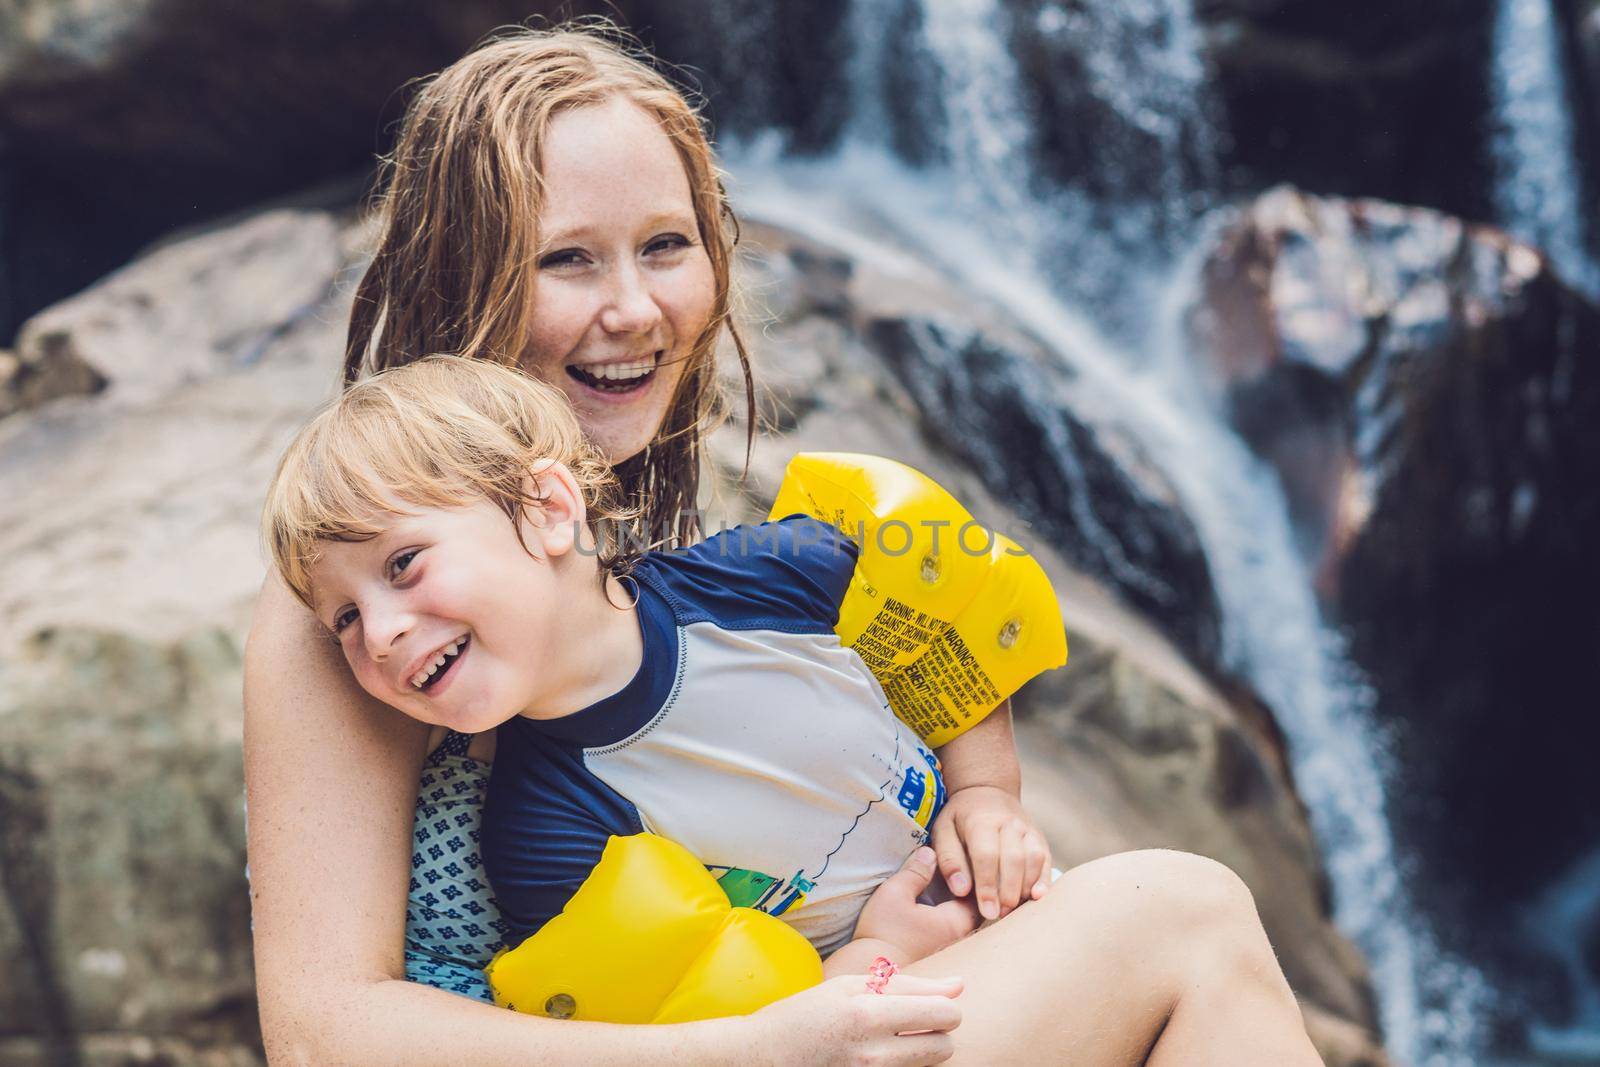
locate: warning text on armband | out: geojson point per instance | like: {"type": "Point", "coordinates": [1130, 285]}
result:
{"type": "Point", "coordinates": [940, 688]}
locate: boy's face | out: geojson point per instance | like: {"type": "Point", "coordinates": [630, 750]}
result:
{"type": "Point", "coordinates": [452, 584]}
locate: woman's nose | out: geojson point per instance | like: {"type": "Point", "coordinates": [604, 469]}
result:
{"type": "Point", "coordinates": [631, 307]}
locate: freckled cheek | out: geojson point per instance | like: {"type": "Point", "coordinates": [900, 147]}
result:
{"type": "Point", "coordinates": [688, 296]}
{"type": "Point", "coordinates": [561, 320]}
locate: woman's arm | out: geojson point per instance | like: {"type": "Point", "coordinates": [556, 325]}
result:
{"type": "Point", "coordinates": [331, 778]}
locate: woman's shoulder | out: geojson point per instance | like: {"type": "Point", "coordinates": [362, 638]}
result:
{"type": "Point", "coordinates": [282, 626]}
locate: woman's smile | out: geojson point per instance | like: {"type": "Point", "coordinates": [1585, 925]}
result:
{"type": "Point", "coordinates": [625, 378]}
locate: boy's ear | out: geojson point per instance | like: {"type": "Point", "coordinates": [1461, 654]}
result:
{"type": "Point", "coordinates": [561, 513]}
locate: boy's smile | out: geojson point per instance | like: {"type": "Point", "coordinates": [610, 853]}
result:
{"type": "Point", "coordinates": [447, 617]}
{"type": "Point", "coordinates": [431, 674]}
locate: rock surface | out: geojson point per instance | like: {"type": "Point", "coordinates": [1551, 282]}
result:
{"type": "Point", "coordinates": [128, 560]}
{"type": "Point", "coordinates": [122, 121]}
{"type": "Point", "coordinates": [1367, 98]}
{"type": "Point", "coordinates": [1430, 395]}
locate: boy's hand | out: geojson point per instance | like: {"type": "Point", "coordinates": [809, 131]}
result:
{"type": "Point", "coordinates": [893, 915]}
{"type": "Point", "coordinates": [986, 842]}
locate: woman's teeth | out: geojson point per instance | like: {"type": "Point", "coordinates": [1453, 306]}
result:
{"type": "Point", "coordinates": [445, 654]}
{"type": "Point", "coordinates": [615, 375]}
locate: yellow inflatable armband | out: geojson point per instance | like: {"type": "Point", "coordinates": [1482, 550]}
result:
{"type": "Point", "coordinates": [951, 617]}
{"type": "Point", "coordinates": [651, 938]}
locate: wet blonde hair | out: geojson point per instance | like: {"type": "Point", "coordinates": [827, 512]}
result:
{"type": "Point", "coordinates": [460, 207]}
{"type": "Point", "coordinates": [438, 433]}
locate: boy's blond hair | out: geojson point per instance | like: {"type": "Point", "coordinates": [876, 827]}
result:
{"type": "Point", "coordinates": [440, 432]}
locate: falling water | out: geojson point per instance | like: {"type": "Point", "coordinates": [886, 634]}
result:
{"type": "Point", "coordinates": [1539, 199]}
{"type": "Point", "coordinates": [1538, 190]}
{"type": "Point", "coordinates": [977, 216]}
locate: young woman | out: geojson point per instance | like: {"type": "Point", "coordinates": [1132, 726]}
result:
{"type": "Point", "coordinates": [553, 203]}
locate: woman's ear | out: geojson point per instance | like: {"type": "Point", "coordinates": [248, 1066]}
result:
{"type": "Point", "coordinates": [560, 518]}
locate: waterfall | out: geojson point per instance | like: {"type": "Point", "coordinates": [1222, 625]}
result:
{"type": "Point", "coordinates": [1100, 236]}
{"type": "Point", "coordinates": [1539, 197]}
{"type": "Point", "coordinates": [1538, 191]}
{"type": "Point", "coordinates": [974, 207]}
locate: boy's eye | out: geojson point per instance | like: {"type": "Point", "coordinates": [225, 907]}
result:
{"type": "Point", "coordinates": [400, 561]}
{"type": "Point", "coordinates": [343, 619]}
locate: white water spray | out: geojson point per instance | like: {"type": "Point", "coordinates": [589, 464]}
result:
{"type": "Point", "coordinates": [1538, 192]}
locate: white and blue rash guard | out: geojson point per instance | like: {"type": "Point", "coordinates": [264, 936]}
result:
{"type": "Point", "coordinates": [749, 735]}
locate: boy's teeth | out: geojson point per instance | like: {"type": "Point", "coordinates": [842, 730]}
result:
{"type": "Point", "coordinates": [418, 679]}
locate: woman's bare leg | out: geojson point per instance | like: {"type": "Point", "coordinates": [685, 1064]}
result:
{"type": "Point", "coordinates": [1152, 956]}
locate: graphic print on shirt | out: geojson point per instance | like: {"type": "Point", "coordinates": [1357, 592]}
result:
{"type": "Point", "coordinates": [920, 796]}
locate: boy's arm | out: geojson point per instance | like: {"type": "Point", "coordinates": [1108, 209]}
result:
{"type": "Point", "coordinates": [985, 842]}
{"type": "Point", "coordinates": [986, 754]}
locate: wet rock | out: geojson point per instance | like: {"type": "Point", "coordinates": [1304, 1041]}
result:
{"type": "Point", "coordinates": [129, 335]}
{"type": "Point", "coordinates": [1430, 394]}
{"type": "Point", "coordinates": [1119, 107]}
{"type": "Point", "coordinates": [123, 839]}
{"type": "Point", "coordinates": [994, 408]}
{"type": "Point", "coordinates": [1365, 98]}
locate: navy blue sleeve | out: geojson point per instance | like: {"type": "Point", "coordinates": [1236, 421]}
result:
{"type": "Point", "coordinates": [790, 575]}
{"type": "Point", "coordinates": [545, 825]}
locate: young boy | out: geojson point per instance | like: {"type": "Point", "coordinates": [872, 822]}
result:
{"type": "Point", "coordinates": [439, 519]}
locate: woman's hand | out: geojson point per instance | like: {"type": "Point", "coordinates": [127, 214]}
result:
{"type": "Point", "coordinates": [915, 931]}
{"type": "Point", "coordinates": [841, 1024]}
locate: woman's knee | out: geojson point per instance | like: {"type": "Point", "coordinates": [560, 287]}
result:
{"type": "Point", "coordinates": [1178, 898]}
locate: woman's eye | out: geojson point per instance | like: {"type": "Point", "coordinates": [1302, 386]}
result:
{"type": "Point", "coordinates": [566, 257]}
{"type": "Point", "coordinates": [344, 619]}
{"type": "Point", "coordinates": [667, 242]}
{"type": "Point", "coordinates": [401, 561]}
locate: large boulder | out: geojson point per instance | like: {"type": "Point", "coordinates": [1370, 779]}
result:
{"type": "Point", "coordinates": [1430, 395]}
{"type": "Point", "coordinates": [130, 563]}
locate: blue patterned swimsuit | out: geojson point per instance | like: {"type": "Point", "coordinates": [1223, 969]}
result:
{"type": "Point", "coordinates": [453, 926]}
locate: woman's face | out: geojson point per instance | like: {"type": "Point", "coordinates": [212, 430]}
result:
{"type": "Point", "coordinates": [623, 286]}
